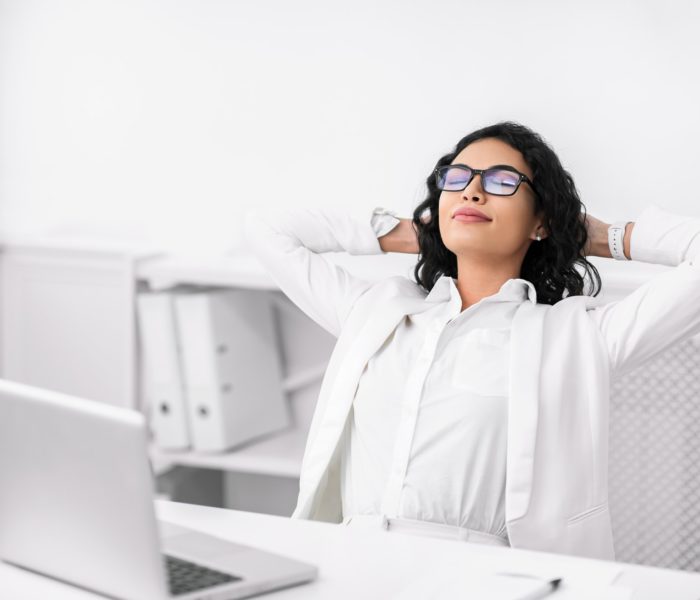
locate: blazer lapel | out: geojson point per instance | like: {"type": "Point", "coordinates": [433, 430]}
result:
{"type": "Point", "coordinates": [367, 341]}
{"type": "Point", "coordinates": [523, 406]}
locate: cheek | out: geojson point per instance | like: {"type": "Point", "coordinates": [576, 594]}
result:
{"type": "Point", "coordinates": [444, 207]}
{"type": "Point", "coordinates": [444, 226]}
{"type": "Point", "coordinates": [515, 218]}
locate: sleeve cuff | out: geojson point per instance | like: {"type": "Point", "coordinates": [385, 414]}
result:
{"type": "Point", "coordinates": [383, 221]}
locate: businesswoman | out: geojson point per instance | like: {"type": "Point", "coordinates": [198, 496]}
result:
{"type": "Point", "coordinates": [472, 403]}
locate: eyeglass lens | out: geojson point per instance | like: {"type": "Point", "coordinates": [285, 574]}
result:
{"type": "Point", "coordinates": [499, 182]}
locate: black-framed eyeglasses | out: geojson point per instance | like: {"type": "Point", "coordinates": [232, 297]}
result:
{"type": "Point", "coordinates": [499, 180]}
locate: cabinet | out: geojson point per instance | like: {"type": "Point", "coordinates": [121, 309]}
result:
{"type": "Point", "coordinates": [68, 323]}
{"type": "Point", "coordinates": [67, 319]}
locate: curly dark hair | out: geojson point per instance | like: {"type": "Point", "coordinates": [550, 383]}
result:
{"type": "Point", "coordinates": [549, 264]}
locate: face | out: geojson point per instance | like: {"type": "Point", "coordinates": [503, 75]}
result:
{"type": "Point", "coordinates": [513, 225]}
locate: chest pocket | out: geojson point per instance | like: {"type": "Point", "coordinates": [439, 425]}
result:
{"type": "Point", "coordinates": [481, 362]}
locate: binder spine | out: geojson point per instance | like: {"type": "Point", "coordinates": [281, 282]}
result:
{"type": "Point", "coordinates": [161, 367]}
{"type": "Point", "coordinates": [200, 373]}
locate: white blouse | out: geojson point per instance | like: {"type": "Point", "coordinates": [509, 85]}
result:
{"type": "Point", "coordinates": [428, 426]}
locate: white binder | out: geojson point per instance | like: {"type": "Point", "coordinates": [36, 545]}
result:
{"type": "Point", "coordinates": [161, 368]}
{"type": "Point", "coordinates": [232, 367]}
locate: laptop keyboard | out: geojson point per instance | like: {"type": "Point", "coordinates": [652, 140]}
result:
{"type": "Point", "coordinates": [184, 576]}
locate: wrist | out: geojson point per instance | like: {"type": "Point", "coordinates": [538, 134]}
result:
{"type": "Point", "coordinates": [602, 242]}
{"type": "Point", "coordinates": [627, 239]}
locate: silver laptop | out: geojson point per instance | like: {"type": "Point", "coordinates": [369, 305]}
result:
{"type": "Point", "coordinates": [76, 504]}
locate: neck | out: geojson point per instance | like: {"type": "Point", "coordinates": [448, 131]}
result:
{"type": "Point", "coordinates": [478, 278]}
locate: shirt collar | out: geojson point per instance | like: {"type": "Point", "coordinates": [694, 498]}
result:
{"type": "Point", "coordinates": [513, 290]}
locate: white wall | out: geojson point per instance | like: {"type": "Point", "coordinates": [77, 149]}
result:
{"type": "Point", "coordinates": [166, 119]}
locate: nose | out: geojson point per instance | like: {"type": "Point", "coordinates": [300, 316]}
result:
{"type": "Point", "coordinates": [474, 191]}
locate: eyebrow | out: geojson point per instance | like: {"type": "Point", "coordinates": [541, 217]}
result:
{"type": "Point", "coordinates": [487, 168]}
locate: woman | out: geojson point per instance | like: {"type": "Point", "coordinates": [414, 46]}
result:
{"type": "Point", "coordinates": [473, 402]}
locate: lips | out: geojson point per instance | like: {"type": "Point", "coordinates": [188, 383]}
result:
{"type": "Point", "coordinates": [470, 219]}
{"type": "Point", "coordinates": [470, 212]}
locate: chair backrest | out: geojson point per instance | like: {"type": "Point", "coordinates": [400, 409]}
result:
{"type": "Point", "coordinates": [655, 461]}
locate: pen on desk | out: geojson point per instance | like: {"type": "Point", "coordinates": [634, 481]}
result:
{"type": "Point", "coordinates": [547, 588]}
{"type": "Point", "coordinates": [541, 592]}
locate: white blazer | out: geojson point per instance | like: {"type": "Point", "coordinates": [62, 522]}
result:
{"type": "Point", "coordinates": [561, 364]}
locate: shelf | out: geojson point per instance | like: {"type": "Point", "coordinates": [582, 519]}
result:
{"type": "Point", "coordinates": [72, 244]}
{"type": "Point", "coordinates": [279, 455]}
{"type": "Point", "coordinates": [234, 271]}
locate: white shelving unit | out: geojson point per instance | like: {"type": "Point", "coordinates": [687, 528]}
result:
{"type": "Point", "coordinates": [67, 309]}
{"type": "Point", "coordinates": [280, 454]}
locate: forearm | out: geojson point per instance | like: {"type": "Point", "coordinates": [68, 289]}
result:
{"type": "Point", "coordinates": [402, 238]}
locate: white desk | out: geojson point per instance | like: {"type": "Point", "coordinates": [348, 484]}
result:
{"type": "Point", "coordinates": [365, 564]}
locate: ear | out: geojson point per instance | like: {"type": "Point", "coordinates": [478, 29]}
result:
{"type": "Point", "coordinates": [541, 230]}
{"type": "Point", "coordinates": [539, 226]}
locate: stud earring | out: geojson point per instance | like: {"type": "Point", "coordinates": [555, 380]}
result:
{"type": "Point", "coordinates": [539, 239]}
